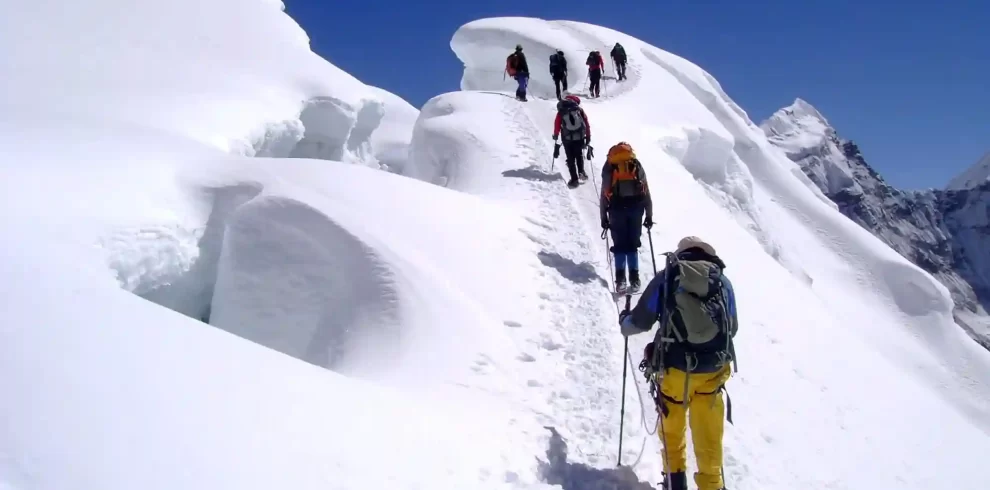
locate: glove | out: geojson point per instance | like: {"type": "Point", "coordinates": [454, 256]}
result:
{"type": "Point", "coordinates": [648, 223]}
{"type": "Point", "coordinates": [591, 152]}
{"type": "Point", "coordinates": [623, 315]}
{"type": "Point", "coordinates": [604, 223]}
{"type": "Point", "coordinates": [556, 150]}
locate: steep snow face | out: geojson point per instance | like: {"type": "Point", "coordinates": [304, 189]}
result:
{"type": "Point", "coordinates": [190, 69]}
{"type": "Point", "coordinates": [843, 311]}
{"type": "Point", "coordinates": [116, 133]}
{"type": "Point", "coordinates": [974, 176]}
{"type": "Point", "coordinates": [943, 232]}
{"type": "Point", "coordinates": [390, 141]}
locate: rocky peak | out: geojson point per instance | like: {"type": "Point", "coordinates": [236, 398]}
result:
{"type": "Point", "coordinates": [974, 176]}
{"type": "Point", "coordinates": [798, 126]}
{"type": "Point", "coordinates": [945, 232]}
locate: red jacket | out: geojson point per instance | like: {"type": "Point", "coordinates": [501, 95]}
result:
{"type": "Point", "coordinates": [587, 125]}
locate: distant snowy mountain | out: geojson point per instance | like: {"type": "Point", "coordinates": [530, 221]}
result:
{"type": "Point", "coordinates": [944, 232]}
{"type": "Point", "coordinates": [974, 176]}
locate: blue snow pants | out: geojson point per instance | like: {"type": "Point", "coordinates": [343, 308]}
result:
{"type": "Point", "coordinates": [626, 228]}
{"type": "Point", "coordinates": [523, 79]}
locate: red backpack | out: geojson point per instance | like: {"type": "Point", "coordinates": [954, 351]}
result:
{"type": "Point", "coordinates": [510, 64]}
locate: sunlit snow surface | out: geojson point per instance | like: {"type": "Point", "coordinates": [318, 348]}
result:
{"type": "Point", "coordinates": [402, 334]}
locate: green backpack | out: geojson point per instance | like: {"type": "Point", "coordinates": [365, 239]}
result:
{"type": "Point", "coordinates": [697, 309]}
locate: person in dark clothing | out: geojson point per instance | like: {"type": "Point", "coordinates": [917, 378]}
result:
{"type": "Point", "coordinates": [558, 71]}
{"type": "Point", "coordinates": [624, 200]}
{"type": "Point", "coordinates": [595, 64]}
{"type": "Point", "coordinates": [572, 126]}
{"type": "Point", "coordinates": [516, 67]}
{"type": "Point", "coordinates": [619, 58]}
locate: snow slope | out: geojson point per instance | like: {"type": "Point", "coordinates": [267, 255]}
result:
{"type": "Point", "coordinates": [391, 333]}
{"type": "Point", "coordinates": [942, 231]}
{"type": "Point", "coordinates": [830, 313]}
{"type": "Point", "coordinates": [125, 178]}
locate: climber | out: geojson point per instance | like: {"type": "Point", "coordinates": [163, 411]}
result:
{"type": "Point", "coordinates": [619, 61]}
{"type": "Point", "coordinates": [690, 358]}
{"type": "Point", "coordinates": [574, 130]}
{"type": "Point", "coordinates": [595, 66]}
{"type": "Point", "coordinates": [558, 71]}
{"type": "Point", "coordinates": [516, 67]}
{"type": "Point", "coordinates": [624, 200]}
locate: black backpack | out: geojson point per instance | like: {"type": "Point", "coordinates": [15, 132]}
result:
{"type": "Point", "coordinates": [618, 52]}
{"type": "Point", "coordinates": [595, 60]}
{"type": "Point", "coordinates": [572, 126]}
{"type": "Point", "coordinates": [556, 66]}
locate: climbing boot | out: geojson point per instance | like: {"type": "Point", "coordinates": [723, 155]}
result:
{"type": "Point", "coordinates": [634, 280]}
{"type": "Point", "coordinates": [620, 280]}
{"type": "Point", "coordinates": [676, 481]}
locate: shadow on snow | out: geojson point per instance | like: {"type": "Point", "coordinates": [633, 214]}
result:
{"type": "Point", "coordinates": [582, 273]}
{"type": "Point", "coordinates": [532, 173]}
{"type": "Point", "coordinates": [576, 476]}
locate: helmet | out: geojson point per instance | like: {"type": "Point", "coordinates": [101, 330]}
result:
{"type": "Point", "coordinates": [573, 98]}
{"type": "Point", "coordinates": [519, 47]}
{"type": "Point", "coordinates": [620, 152]}
{"type": "Point", "coordinates": [560, 52]}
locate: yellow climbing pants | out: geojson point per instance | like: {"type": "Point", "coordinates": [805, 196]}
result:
{"type": "Point", "coordinates": [706, 408]}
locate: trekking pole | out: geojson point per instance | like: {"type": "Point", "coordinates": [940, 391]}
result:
{"type": "Point", "coordinates": [625, 368]}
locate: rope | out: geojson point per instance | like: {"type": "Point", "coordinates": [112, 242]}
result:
{"type": "Point", "coordinates": [628, 357]}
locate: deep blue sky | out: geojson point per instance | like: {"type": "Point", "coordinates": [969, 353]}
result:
{"type": "Point", "coordinates": [908, 81]}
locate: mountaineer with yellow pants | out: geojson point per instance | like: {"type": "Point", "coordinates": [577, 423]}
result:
{"type": "Point", "coordinates": [688, 363]}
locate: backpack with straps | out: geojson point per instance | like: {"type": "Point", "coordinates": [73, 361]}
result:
{"type": "Point", "coordinates": [619, 52]}
{"type": "Point", "coordinates": [627, 184]}
{"type": "Point", "coordinates": [572, 126]}
{"type": "Point", "coordinates": [594, 60]}
{"type": "Point", "coordinates": [511, 62]}
{"type": "Point", "coordinates": [698, 304]}
{"type": "Point", "coordinates": [556, 67]}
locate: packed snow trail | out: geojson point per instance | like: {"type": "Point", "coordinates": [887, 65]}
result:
{"type": "Point", "coordinates": [576, 365]}
{"type": "Point", "coordinates": [806, 289]}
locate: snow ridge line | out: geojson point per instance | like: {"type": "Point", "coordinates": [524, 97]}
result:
{"type": "Point", "coordinates": [592, 42]}
{"type": "Point", "coordinates": [588, 420]}
{"type": "Point", "coordinates": [585, 205]}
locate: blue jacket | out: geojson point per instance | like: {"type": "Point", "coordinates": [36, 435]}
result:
{"type": "Point", "coordinates": [650, 308]}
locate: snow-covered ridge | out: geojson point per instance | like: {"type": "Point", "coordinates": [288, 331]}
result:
{"type": "Point", "coordinates": [943, 232]}
{"type": "Point", "coordinates": [448, 334]}
{"type": "Point", "coordinates": [189, 69]}
{"type": "Point", "coordinates": [764, 214]}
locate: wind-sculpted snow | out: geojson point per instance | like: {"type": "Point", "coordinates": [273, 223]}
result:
{"type": "Point", "coordinates": [106, 391]}
{"type": "Point", "coordinates": [390, 141]}
{"type": "Point", "coordinates": [292, 279]}
{"type": "Point", "coordinates": [241, 84]}
{"type": "Point", "coordinates": [401, 334]}
{"type": "Point", "coordinates": [484, 44]}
